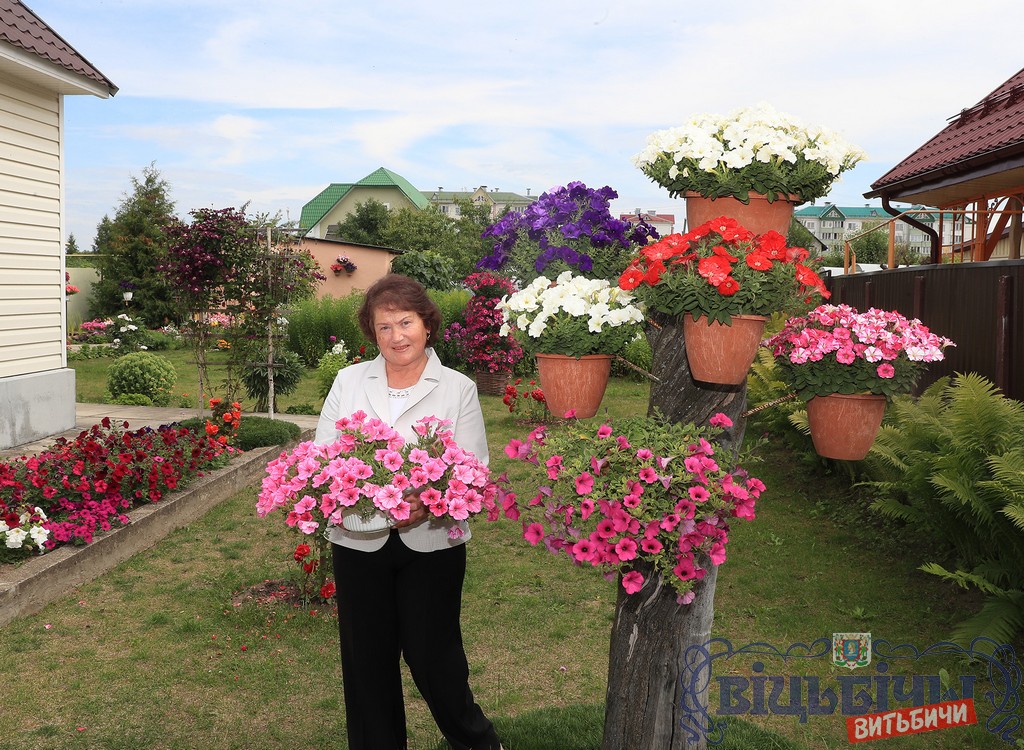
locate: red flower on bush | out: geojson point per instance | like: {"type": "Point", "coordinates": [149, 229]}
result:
{"type": "Point", "coordinates": [301, 552]}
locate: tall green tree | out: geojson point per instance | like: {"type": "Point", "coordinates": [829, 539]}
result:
{"type": "Point", "coordinates": [134, 251]}
{"type": "Point", "coordinates": [455, 239]}
{"type": "Point", "coordinates": [71, 246]}
{"type": "Point", "coordinates": [366, 225]}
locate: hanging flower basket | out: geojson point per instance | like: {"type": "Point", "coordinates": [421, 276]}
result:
{"type": "Point", "coordinates": [758, 215]}
{"type": "Point", "coordinates": [720, 353]}
{"type": "Point", "coordinates": [844, 426]}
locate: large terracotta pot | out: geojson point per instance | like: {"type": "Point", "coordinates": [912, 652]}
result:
{"type": "Point", "coordinates": [491, 383]}
{"type": "Point", "coordinates": [759, 216]}
{"type": "Point", "coordinates": [844, 426]}
{"type": "Point", "coordinates": [570, 383]}
{"type": "Point", "coordinates": [722, 353]}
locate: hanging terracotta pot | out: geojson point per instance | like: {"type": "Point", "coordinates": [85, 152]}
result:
{"type": "Point", "coordinates": [722, 353]}
{"type": "Point", "coordinates": [570, 383]}
{"type": "Point", "coordinates": [759, 216]}
{"type": "Point", "coordinates": [491, 383]}
{"type": "Point", "coordinates": [844, 426]}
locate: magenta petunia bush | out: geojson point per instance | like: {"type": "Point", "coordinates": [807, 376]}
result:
{"type": "Point", "coordinates": [369, 469]}
{"type": "Point", "coordinates": [835, 349]}
{"type": "Point", "coordinates": [637, 490]}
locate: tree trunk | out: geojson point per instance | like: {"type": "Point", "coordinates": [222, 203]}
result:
{"type": "Point", "coordinates": [648, 684]}
{"type": "Point", "coordinates": [648, 706]}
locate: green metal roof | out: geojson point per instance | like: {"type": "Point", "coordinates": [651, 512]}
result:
{"type": "Point", "coordinates": [317, 208]}
{"type": "Point", "coordinates": [868, 212]}
{"type": "Point", "coordinates": [329, 197]}
{"type": "Point", "coordinates": [386, 178]}
{"type": "Point", "coordinates": [849, 212]}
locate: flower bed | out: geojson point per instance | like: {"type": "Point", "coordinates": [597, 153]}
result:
{"type": "Point", "coordinates": [76, 488]}
{"type": "Point", "coordinates": [35, 582]}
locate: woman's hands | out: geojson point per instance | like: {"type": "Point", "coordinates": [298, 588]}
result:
{"type": "Point", "coordinates": [417, 511]}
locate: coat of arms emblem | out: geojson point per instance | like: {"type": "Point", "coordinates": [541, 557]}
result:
{"type": "Point", "coordinates": [851, 650]}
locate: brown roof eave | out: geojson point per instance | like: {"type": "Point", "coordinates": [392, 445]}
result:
{"type": "Point", "coordinates": [983, 165]}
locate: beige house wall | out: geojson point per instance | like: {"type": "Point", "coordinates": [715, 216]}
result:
{"type": "Point", "coordinates": [371, 264]}
{"type": "Point", "coordinates": [391, 197]}
{"type": "Point", "coordinates": [31, 259]}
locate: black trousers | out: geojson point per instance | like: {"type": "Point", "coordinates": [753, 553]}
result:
{"type": "Point", "coordinates": [394, 603]}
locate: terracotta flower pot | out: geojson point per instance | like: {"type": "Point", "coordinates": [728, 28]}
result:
{"type": "Point", "coordinates": [759, 216]}
{"type": "Point", "coordinates": [844, 426]}
{"type": "Point", "coordinates": [722, 354]}
{"type": "Point", "coordinates": [570, 383]}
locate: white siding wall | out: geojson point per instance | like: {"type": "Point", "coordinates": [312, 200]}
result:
{"type": "Point", "coordinates": [31, 265]}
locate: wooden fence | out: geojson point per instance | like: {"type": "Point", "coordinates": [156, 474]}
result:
{"type": "Point", "coordinates": [980, 306]}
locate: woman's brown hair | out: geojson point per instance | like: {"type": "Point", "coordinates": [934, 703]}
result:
{"type": "Point", "coordinates": [397, 292]}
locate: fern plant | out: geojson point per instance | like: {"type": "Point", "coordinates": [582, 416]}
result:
{"type": "Point", "coordinates": [950, 464]}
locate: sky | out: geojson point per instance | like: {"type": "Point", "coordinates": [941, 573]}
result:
{"type": "Point", "coordinates": [267, 103]}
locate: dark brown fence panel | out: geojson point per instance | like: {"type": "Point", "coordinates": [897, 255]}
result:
{"type": "Point", "coordinates": [980, 306]}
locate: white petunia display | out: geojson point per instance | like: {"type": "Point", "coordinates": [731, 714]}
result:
{"type": "Point", "coordinates": [725, 146]}
{"type": "Point", "coordinates": [573, 316]}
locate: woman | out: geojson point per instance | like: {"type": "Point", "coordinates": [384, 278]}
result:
{"type": "Point", "coordinates": [400, 590]}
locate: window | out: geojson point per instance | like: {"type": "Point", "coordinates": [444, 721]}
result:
{"type": "Point", "coordinates": [852, 225]}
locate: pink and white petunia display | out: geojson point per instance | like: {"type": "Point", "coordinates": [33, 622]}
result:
{"type": "Point", "coordinates": [836, 349]}
{"type": "Point", "coordinates": [663, 506]}
{"type": "Point", "coordinates": [371, 468]}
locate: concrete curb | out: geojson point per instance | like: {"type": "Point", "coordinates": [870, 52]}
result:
{"type": "Point", "coordinates": [27, 588]}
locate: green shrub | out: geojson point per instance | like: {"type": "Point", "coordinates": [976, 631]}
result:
{"type": "Point", "coordinates": [288, 373]}
{"type": "Point", "coordinates": [259, 432]}
{"type": "Point", "coordinates": [453, 310]}
{"type": "Point", "coordinates": [433, 270]}
{"type": "Point", "coordinates": [253, 431]}
{"type": "Point", "coordinates": [130, 399]}
{"type": "Point", "coordinates": [303, 408]}
{"type": "Point", "coordinates": [142, 373]}
{"type": "Point", "coordinates": [638, 353]}
{"type": "Point", "coordinates": [950, 465]}
{"type": "Point", "coordinates": [311, 323]}
{"type": "Point", "coordinates": [327, 369]}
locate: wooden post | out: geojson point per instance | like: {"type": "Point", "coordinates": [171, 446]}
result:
{"type": "Point", "coordinates": [1015, 229]}
{"type": "Point", "coordinates": [644, 707]}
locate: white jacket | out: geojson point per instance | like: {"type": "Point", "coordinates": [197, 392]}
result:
{"type": "Point", "coordinates": [440, 392]}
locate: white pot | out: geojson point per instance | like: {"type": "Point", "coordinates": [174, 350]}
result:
{"type": "Point", "coordinates": [359, 525]}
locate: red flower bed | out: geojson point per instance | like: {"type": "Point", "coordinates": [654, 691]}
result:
{"type": "Point", "coordinates": [78, 487]}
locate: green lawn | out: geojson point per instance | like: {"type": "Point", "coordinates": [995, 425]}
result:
{"type": "Point", "coordinates": [156, 654]}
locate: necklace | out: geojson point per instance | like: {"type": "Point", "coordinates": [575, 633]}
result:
{"type": "Point", "coordinates": [398, 392]}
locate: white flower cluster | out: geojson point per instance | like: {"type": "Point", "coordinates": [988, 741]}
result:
{"type": "Point", "coordinates": [747, 135]}
{"type": "Point", "coordinates": [595, 299]}
{"type": "Point", "coordinates": [15, 538]}
{"type": "Point", "coordinates": [339, 348]}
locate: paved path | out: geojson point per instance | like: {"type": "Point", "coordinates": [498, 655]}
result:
{"type": "Point", "coordinates": [86, 415]}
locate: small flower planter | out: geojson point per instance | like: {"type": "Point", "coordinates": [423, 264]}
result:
{"type": "Point", "coordinates": [574, 384]}
{"type": "Point", "coordinates": [844, 426]}
{"type": "Point", "coordinates": [722, 353]}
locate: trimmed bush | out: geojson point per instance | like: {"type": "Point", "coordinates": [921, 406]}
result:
{"type": "Point", "coordinates": [143, 373]}
{"type": "Point", "coordinates": [253, 431]}
{"type": "Point", "coordinates": [311, 323]}
{"type": "Point", "coordinates": [131, 399]}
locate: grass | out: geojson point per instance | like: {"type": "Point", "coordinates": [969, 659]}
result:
{"type": "Point", "coordinates": [156, 655]}
{"type": "Point", "coordinates": [91, 380]}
